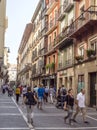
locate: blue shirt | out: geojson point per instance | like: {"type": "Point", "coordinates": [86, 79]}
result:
{"type": "Point", "coordinates": [41, 92]}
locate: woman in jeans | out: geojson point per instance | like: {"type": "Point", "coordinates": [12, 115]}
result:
{"type": "Point", "coordinates": [68, 105]}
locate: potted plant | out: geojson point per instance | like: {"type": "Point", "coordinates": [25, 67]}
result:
{"type": "Point", "coordinates": [52, 65]}
{"type": "Point", "coordinates": [90, 52]}
{"type": "Point", "coordinates": [47, 66]}
{"type": "Point", "coordinates": [79, 58]}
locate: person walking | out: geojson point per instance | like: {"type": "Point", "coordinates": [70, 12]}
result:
{"type": "Point", "coordinates": [40, 93]}
{"type": "Point", "coordinates": [17, 93]}
{"type": "Point", "coordinates": [80, 106]}
{"type": "Point", "coordinates": [68, 106]}
{"type": "Point", "coordinates": [24, 91]}
{"type": "Point", "coordinates": [46, 93]}
{"type": "Point", "coordinates": [30, 101]}
{"type": "Point", "coordinates": [51, 94]}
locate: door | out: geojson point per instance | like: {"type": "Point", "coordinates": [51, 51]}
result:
{"type": "Point", "coordinates": [92, 89]}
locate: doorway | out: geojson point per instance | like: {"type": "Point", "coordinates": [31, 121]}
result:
{"type": "Point", "coordinates": [92, 89]}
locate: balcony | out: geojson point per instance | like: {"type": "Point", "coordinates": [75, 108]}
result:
{"type": "Point", "coordinates": [61, 13]}
{"type": "Point", "coordinates": [62, 39]}
{"type": "Point", "coordinates": [52, 4]}
{"type": "Point", "coordinates": [77, 0]}
{"type": "Point", "coordinates": [51, 25]}
{"type": "Point", "coordinates": [66, 64]}
{"type": "Point", "coordinates": [86, 21]}
{"type": "Point", "coordinates": [68, 4]}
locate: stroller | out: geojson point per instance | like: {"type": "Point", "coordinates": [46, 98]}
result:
{"type": "Point", "coordinates": [60, 101]}
{"type": "Point", "coordinates": [10, 92]}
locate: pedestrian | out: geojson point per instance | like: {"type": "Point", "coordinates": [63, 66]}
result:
{"type": "Point", "coordinates": [68, 106]}
{"type": "Point", "coordinates": [17, 93]}
{"type": "Point", "coordinates": [24, 91]}
{"type": "Point", "coordinates": [51, 94]}
{"type": "Point", "coordinates": [40, 94]}
{"type": "Point", "coordinates": [46, 93]}
{"type": "Point", "coordinates": [80, 106]}
{"type": "Point", "coordinates": [4, 88]}
{"type": "Point", "coordinates": [30, 101]}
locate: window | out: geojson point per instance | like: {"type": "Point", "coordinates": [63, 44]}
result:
{"type": "Point", "coordinates": [81, 50]}
{"type": "Point", "coordinates": [82, 14]}
{"type": "Point", "coordinates": [69, 53]}
{"type": "Point", "coordinates": [50, 39]}
{"type": "Point", "coordinates": [54, 58]}
{"type": "Point", "coordinates": [55, 34]}
{"type": "Point", "coordinates": [93, 44]}
{"type": "Point", "coordinates": [82, 9]}
{"type": "Point", "coordinates": [80, 82]}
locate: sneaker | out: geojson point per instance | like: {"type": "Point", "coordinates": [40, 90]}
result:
{"type": "Point", "coordinates": [86, 122]}
{"type": "Point", "coordinates": [70, 122]}
{"type": "Point", "coordinates": [74, 120]}
{"type": "Point", "coordinates": [30, 126]}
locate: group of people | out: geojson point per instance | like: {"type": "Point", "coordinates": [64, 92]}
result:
{"type": "Point", "coordinates": [40, 94]}
{"type": "Point", "coordinates": [80, 106]}
{"type": "Point", "coordinates": [6, 88]}
{"type": "Point", "coordinates": [37, 96]}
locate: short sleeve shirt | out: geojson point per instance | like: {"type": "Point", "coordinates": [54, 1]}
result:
{"type": "Point", "coordinates": [81, 100]}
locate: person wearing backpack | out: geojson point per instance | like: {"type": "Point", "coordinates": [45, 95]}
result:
{"type": "Point", "coordinates": [30, 101]}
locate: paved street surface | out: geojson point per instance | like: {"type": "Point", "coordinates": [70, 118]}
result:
{"type": "Point", "coordinates": [51, 118]}
{"type": "Point", "coordinates": [10, 116]}
{"type": "Point", "coordinates": [13, 117]}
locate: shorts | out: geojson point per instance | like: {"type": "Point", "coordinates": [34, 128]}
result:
{"type": "Point", "coordinates": [40, 99]}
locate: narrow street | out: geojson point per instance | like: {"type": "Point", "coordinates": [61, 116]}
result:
{"type": "Point", "coordinates": [13, 117]}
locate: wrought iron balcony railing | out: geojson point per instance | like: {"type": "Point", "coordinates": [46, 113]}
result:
{"type": "Point", "coordinates": [66, 64]}
{"type": "Point", "coordinates": [51, 5]}
{"type": "Point", "coordinates": [87, 18]}
{"type": "Point", "coordinates": [52, 24]}
{"type": "Point", "coordinates": [61, 13]}
{"type": "Point", "coordinates": [68, 4]}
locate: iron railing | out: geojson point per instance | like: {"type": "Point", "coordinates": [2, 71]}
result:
{"type": "Point", "coordinates": [84, 18]}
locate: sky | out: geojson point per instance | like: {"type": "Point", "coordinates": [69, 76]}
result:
{"type": "Point", "coordinates": [19, 13]}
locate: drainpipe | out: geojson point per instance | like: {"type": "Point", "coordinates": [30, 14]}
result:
{"type": "Point", "coordinates": [96, 78]}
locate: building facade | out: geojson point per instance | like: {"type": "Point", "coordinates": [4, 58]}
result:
{"type": "Point", "coordinates": [65, 73]}
{"type": "Point", "coordinates": [83, 29]}
{"type": "Point", "coordinates": [63, 46]}
{"type": "Point", "coordinates": [3, 26]}
{"type": "Point", "coordinates": [12, 72]}
{"type": "Point", "coordinates": [24, 57]}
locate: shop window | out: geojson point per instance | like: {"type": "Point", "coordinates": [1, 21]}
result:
{"type": "Point", "coordinates": [80, 82]}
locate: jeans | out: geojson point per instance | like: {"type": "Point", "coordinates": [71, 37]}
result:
{"type": "Point", "coordinates": [29, 112]}
{"type": "Point", "coordinates": [69, 113]}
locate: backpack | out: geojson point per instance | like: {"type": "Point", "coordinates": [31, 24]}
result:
{"type": "Point", "coordinates": [30, 100]}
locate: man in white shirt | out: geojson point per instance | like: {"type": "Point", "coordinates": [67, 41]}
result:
{"type": "Point", "coordinates": [80, 102]}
